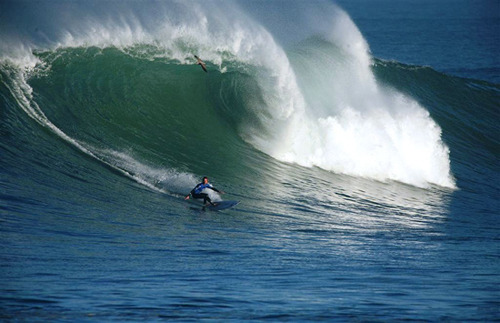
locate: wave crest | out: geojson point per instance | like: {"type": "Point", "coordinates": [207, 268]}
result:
{"type": "Point", "coordinates": [318, 104]}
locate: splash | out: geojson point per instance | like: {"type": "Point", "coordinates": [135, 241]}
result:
{"type": "Point", "coordinates": [350, 123]}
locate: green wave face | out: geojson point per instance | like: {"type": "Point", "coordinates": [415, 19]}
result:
{"type": "Point", "coordinates": [142, 105]}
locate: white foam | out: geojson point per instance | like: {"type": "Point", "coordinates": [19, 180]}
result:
{"type": "Point", "coordinates": [165, 180]}
{"type": "Point", "coordinates": [355, 126]}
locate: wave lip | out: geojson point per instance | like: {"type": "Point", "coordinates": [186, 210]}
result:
{"type": "Point", "coordinates": [350, 123]}
{"type": "Point", "coordinates": [378, 145]}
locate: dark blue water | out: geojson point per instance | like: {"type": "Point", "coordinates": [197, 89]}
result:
{"type": "Point", "coordinates": [454, 36]}
{"type": "Point", "coordinates": [106, 124]}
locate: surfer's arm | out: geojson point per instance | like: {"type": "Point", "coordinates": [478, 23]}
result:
{"type": "Point", "coordinates": [190, 193]}
{"type": "Point", "coordinates": [214, 189]}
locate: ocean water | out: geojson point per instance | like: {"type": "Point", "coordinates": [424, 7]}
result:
{"type": "Point", "coordinates": [361, 139]}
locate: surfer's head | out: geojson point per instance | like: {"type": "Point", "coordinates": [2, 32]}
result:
{"type": "Point", "coordinates": [205, 180]}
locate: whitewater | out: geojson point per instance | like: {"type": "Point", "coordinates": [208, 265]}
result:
{"type": "Point", "coordinates": [368, 186]}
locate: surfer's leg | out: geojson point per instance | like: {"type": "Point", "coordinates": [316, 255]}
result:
{"type": "Point", "coordinates": [206, 199]}
{"type": "Point", "coordinates": [204, 196]}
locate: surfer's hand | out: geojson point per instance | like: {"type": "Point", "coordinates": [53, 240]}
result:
{"type": "Point", "coordinates": [187, 197]}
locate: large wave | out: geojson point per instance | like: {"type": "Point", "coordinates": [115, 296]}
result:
{"type": "Point", "coordinates": [316, 103]}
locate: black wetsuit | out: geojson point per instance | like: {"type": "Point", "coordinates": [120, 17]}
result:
{"type": "Point", "coordinates": [196, 192]}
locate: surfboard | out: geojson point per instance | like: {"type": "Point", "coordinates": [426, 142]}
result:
{"type": "Point", "coordinates": [222, 205]}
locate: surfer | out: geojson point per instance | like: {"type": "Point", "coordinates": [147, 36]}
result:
{"type": "Point", "coordinates": [201, 63]}
{"type": "Point", "coordinates": [196, 192]}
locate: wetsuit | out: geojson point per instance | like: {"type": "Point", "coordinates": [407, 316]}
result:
{"type": "Point", "coordinates": [196, 192]}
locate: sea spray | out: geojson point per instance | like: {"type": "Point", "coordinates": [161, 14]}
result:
{"type": "Point", "coordinates": [161, 179]}
{"type": "Point", "coordinates": [351, 124]}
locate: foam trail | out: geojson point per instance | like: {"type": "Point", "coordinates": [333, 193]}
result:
{"type": "Point", "coordinates": [160, 180]}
